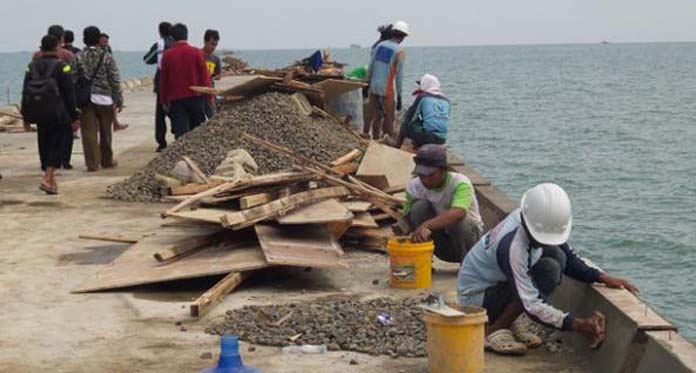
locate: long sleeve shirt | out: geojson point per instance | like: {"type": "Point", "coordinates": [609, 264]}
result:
{"type": "Point", "coordinates": [107, 80]}
{"type": "Point", "coordinates": [183, 66]}
{"type": "Point", "coordinates": [385, 72]}
{"type": "Point", "coordinates": [505, 254]}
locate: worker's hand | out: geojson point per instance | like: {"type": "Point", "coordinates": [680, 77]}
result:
{"type": "Point", "coordinates": [588, 328]}
{"type": "Point", "coordinates": [27, 127]}
{"type": "Point", "coordinates": [75, 125]}
{"type": "Point", "coordinates": [421, 234]}
{"type": "Point", "coordinates": [398, 103]}
{"type": "Point", "coordinates": [617, 283]}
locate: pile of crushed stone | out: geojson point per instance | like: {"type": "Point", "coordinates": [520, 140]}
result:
{"type": "Point", "coordinates": [272, 116]}
{"type": "Point", "coordinates": [339, 324]}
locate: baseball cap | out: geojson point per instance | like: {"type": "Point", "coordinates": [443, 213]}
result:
{"type": "Point", "coordinates": [429, 158]}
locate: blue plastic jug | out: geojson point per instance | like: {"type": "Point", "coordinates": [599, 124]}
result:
{"type": "Point", "coordinates": [230, 361]}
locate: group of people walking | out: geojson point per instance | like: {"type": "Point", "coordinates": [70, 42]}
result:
{"type": "Point", "coordinates": [68, 89]}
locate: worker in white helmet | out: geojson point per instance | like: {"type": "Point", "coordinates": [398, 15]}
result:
{"type": "Point", "coordinates": [516, 266]}
{"type": "Point", "coordinates": [385, 79]}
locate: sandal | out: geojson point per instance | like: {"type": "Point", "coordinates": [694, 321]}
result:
{"type": "Point", "coordinates": [48, 190]}
{"type": "Point", "coordinates": [503, 342]}
{"type": "Point", "coordinates": [523, 330]}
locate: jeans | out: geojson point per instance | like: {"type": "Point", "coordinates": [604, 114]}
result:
{"type": "Point", "coordinates": [186, 114]}
{"type": "Point", "coordinates": [451, 243]}
{"type": "Point", "coordinates": [546, 275]}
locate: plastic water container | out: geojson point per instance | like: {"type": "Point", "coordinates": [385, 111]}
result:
{"type": "Point", "coordinates": [230, 361]}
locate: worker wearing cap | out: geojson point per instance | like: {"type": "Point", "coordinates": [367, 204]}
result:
{"type": "Point", "coordinates": [516, 266]}
{"type": "Point", "coordinates": [385, 77]}
{"type": "Point", "coordinates": [441, 206]}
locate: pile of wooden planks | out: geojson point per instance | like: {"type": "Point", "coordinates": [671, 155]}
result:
{"type": "Point", "coordinates": [11, 119]}
{"type": "Point", "coordinates": [236, 226]}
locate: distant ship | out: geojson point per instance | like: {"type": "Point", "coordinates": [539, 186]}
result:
{"type": "Point", "coordinates": [604, 42]}
{"type": "Point", "coordinates": [355, 46]}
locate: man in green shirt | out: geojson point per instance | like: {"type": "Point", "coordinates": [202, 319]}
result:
{"type": "Point", "coordinates": [441, 206]}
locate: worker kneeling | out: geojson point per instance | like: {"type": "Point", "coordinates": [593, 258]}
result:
{"type": "Point", "coordinates": [518, 264]}
{"type": "Point", "coordinates": [441, 205]}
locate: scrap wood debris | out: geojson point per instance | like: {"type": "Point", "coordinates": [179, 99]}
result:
{"type": "Point", "coordinates": [339, 324]}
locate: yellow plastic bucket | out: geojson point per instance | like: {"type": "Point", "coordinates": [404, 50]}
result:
{"type": "Point", "coordinates": [455, 344]}
{"type": "Point", "coordinates": [410, 264]}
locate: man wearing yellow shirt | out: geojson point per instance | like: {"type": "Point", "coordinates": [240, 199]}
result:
{"type": "Point", "coordinates": [211, 38]}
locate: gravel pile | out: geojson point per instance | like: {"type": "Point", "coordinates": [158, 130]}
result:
{"type": "Point", "coordinates": [272, 116]}
{"type": "Point", "coordinates": [341, 325]}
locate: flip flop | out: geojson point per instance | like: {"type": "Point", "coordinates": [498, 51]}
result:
{"type": "Point", "coordinates": [602, 326]}
{"type": "Point", "coordinates": [121, 127]}
{"type": "Point", "coordinates": [503, 342]}
{"type": "Point", "coordinates": [48, 190]}
{"type": "Point", "coordinates": [521, 329]}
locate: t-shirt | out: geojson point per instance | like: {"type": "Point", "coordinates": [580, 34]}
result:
{"type": "Point", "coordinates": [212, 63]}
{"type": "Point", "coordinates": [457, 192]}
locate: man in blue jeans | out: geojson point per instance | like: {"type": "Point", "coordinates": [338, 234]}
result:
{"type": "Point", "coordinates": [516, 266]}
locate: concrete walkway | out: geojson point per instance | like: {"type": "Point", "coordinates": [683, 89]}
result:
{"type": "Point", "coordinates": [45, 328]}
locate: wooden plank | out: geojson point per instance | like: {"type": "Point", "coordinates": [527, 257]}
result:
{"type": "Point", "coordinates": [205, 90]}
{"type": "Point", "coordinates": [364, 220]}
{"type": "Point", "coordinates": [189, 245]}
{"type": "Point", "coordinates": [195, 169]}
{"type": "Point", "coordinates": [351, 156]}
{"type": "Point", "coordinates": [254, 200]}
{"type": "Point", "coordinates": [309, 246]}
{"type": "Point", "coordinates": [214, 295]}
{"type": "Point", "coordinates": [246, 218]}
{"type": "Point", "coordinates": [357, 206]}
{"type": "Point", "coordinates": [136, 265]}
{"type": "Point", "coordinates": [325, 211]}
{"type": "Point", "coordinates": [192, 188]}
{"type": "Point", "coordinates": [335, 87]}
{"type": "Point", "coordinates": [251, 87]}
{"type": "Point", "coordinates": [346, 168]}
{"type": "Point", "coordinates": [384, 166]}
{"type": "Point", "coordinates": [338, 228]}
{"type": "Point", "coordinates": [118, 238]}
{"type": "Point", "coordinates": [208, 215]}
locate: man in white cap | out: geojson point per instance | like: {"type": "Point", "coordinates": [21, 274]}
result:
{"type": "Point", "coordinates": [385, 78]}
{"type": "Point", "coordinates": [441, 206]}
{"type": "Point", "coordinates": [516, 266]}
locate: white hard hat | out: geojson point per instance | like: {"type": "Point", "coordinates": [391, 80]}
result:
{"type": "Point", "coordinates": [401, 27]}
{"type": "Point", "coordinates": [546, 210]}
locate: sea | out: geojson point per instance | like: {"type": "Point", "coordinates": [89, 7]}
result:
{"type": "Point", "coordinates": [613, 124]}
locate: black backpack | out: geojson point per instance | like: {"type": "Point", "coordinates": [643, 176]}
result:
{"type": "Point", "coordinates": [83, 86]}
{"type": "Point", "coordinates": [42, 102]}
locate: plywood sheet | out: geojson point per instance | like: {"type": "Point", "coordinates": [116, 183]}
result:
{"type": "Point", "coordinates": [250, 87]}
{"type": "Point", "coordinates": [137, 266]}
{"type": "Point", "coordinates": [384, 166]}
{"type": "Point", "coordinates": [326, 211]}
{"type": "Point", "coordinates": [335, 87]}
{"type": "Point", "coordinates": [364, 220]}
{"type": "Point", "coordinates": [305, 246]}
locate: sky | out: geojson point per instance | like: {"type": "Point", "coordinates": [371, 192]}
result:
{"type": "Point", "coordinates": [283, 24]}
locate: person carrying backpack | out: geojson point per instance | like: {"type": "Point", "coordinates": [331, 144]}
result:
{"type": "Point", "coordinates": [48, 100]}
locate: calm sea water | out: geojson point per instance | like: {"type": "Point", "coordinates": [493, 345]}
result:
{"type": "Point", "coordinates": [613, 124]}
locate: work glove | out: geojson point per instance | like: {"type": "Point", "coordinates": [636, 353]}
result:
{"type": "Point", "coordinates": [398, 103]}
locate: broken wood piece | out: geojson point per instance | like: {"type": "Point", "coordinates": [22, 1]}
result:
{"type": "Point", "coordinates": [364, 220]}
{"type": "Point", "coordinates": [189, 246]}
{"type": "Point", "coordinates": [245, 218]}
{"type": "Point", "coordinates": [346, 168]}
{"type": "Point", "coordinates": [195, 169]}
{"type": "Point", "coordinates": [326, 211]}
{"type": "Point", "coordinates": [352, 155]}
{"type": "Point", "coordinates": [283, 319]}
{"type": "Point", "coordinates": [310, 245]}
{"type": "Point", "coordinates": [443, 310]}
{"type": "Point", "coordinates": [395, 189]}
{"type": "Point", "coordinates": [168, 182]}
{"type": "Point", "coordinates": [383, 166]}
{"type": "Point", "coordinates": [295, 337]}
{"type": "Point", "coordinates": [192, 188]}
{"type": "Point", "coordinates": [205, 90]}
{"type": "Point", "coordinates": [214, 295]}
{"type": "Point", "coordinates": [357, 205]}
{"type": "Point", "coordinates": [338, 228]}
{"type": "Point", "coordinates": [118, 239]}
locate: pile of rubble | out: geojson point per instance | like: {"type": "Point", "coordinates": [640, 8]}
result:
{"type": "Point", "coordinates": [381, 326]}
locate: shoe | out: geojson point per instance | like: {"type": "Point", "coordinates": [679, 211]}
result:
{"type": "Point", "coordinates": [113, 164]}
{"type": "Point", "coordinates": [67, 166]}
{"type": "Point", "coordinates": [160, 148]}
